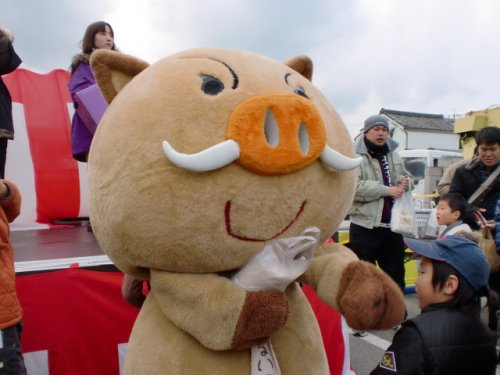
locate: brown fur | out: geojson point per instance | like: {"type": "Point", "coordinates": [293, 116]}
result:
{"type": "Point", "coordinates": [114, 70]}
{"type": "Point", "coordinates": [187, 231]}
{"type": "Point", "coordinates": [254, 319]}
{"type": "Point", "coordinates": [303, 65]}
{"type": "Point", "coordinates": [381, 310]}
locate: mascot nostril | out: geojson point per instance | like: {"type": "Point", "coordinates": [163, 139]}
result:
{"type": "Point", "coordinates": [271, 129]}
{"type": "Point", "coordinates": [245, 167]}
{"type": "Point", "coordinates": [303, 139]}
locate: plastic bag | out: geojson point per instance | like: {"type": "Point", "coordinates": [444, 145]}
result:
{"type": "Point", "coordinates": [488, 244]}
{"type": "Point", "coordinates": [433, 228]}
{"type": "Point", "coordinates": [279, 263]}
{"type": "Point", "coordinates": [403, 218]}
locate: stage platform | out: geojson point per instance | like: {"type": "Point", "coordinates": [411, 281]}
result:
{"type": "Point", "coordinates": [56, 248]}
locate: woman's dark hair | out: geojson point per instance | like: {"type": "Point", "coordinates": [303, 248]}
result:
{"type": "Point", "coordinates": [88, 38]}
{"type": "Point", "coordinates": [456, 203]}
{"type": "Point", "coordinates": [88, 42]}
{"type": "Point", "coordinates": [465, 298]}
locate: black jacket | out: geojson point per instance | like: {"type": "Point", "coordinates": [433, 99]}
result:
{"type": "Point", "coordinates": [440, 341]}
{"type": "Point", "coordinates": [9, 61]}
{"type": "Point", "coordinates": [466, 181]}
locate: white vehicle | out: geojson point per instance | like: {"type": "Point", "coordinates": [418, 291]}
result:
{"type": "Point", "coordinates": [427, 167]}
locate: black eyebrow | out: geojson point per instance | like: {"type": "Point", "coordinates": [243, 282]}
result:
{"type": "Point", "coordinates": [235, 77]}
{"type": "Point", "coordinates": [286, 77]}
{"type": "Point", "coordinates": [233, 73]}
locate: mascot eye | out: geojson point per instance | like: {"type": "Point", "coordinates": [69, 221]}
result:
{"type": "Point", "coordinates": [211, 85]}
{"type": "Point", "coordinates": [300, 91]}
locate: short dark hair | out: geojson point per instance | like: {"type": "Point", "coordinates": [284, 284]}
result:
{"type": "Point", "coordinates": [456, 202]}
{"type": "Point", "coordinates": [488, 135]}
{"type": "Point", "coordinates": [464, 297]}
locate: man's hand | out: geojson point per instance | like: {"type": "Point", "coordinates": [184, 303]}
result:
{"type": "Point", "coordinates": [396, 191]}
{"type": "Point", "coordinates": [7, 33]}
{"type": "Point", "coordinates": [404, 182]}
{"type": "Point", "coordinates": [481, 220]}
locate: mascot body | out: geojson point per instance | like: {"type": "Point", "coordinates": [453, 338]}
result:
{"type": "Point", "coordinates": [201, 160]}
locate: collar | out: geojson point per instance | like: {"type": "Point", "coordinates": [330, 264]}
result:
{"type": "Point", "coordinates": [360, 147]}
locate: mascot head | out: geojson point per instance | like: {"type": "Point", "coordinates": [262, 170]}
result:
{"type": "Point", "coordinates": [207, 154]}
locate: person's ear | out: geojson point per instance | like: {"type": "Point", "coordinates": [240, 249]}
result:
{"type": "Point", "coordinates": [455, 215]}
{"type": "Point", "coordinates": [451, 285]}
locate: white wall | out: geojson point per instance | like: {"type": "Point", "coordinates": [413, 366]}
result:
{"type": "Point", "coordinates": [419, 139]}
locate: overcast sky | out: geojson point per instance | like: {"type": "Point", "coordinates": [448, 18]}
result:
{"type": "Point", "coordinates": [431, 56]}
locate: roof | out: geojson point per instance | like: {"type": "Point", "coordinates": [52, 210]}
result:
{"type": "Point", "coordinates": [419, 121]}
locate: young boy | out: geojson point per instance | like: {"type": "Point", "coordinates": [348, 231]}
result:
{"type": "Point", "coordinates": [448, 337]}
{"type": "Point", "coordinates": [449, 212]}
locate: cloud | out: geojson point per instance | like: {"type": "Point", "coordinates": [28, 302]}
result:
{"type": "Point", "coordinates": [415, 55]}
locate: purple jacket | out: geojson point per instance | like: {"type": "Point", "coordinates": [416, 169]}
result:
{"type": "Point", "coordinates": [81, 138]}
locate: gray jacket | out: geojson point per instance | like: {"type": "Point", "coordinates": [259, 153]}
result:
{"type": "Point", "coordinates": [366, 210]}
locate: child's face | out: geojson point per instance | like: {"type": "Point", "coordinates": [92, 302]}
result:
{"type": "Point", "coordinates": [426, 293]}
{"type": "Point", "coordinates": [444, 214]}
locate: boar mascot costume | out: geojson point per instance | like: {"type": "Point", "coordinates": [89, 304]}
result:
{"type": "Point", "coordinates": [218, 175]}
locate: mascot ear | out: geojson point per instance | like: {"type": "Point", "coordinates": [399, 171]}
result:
{"type": "Point", "coordinates": [301, 64]}
{"type": "Point", "coordinates": [113, 70]}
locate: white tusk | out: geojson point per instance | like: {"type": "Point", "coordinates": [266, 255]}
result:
{"type": "Point", "coordinates": [212, 158]}
{"type": "Point", "coordinates": [335, 160]}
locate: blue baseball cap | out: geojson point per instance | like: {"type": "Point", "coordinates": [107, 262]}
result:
{"type": "Point", "coordinates": [462, 254]}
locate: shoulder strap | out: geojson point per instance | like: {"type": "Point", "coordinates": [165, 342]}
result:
{"type": "Point", "coordinates": [480, 190]}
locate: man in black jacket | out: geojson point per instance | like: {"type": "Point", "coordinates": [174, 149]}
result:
{"type": "Point", "coordinates": [468, 179]}
{"type": "Point", "coordinates": [9, 61]}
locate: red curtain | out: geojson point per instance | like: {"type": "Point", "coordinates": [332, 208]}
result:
{"type": "Point", "coordinates": [45, 98]}
{"type": "Point", "coordinates": [78, 316]}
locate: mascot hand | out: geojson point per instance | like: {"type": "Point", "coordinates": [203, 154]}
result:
{"type": "Point", "coordinates": [368, 298]}
{"type": "Point", "coordinates": [263, 313]}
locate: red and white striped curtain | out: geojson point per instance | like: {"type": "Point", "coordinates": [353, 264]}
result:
{"type": "Point", "coordinates": [39, 160]}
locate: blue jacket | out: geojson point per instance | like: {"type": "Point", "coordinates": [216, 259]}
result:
{"type": "Point", "coordinates": [497, 225]}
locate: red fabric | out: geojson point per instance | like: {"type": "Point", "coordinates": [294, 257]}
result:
{"type": "Point", "coordinates": [79, 316]}
{"type": "Point", "coordinates": [330, 326]}
{"type": "Point", "coordinates": [45, 98]}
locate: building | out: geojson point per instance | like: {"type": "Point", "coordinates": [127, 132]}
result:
{"type": "Point", "coordinates": [413, 130]}
{"type": "Point", "coordinates": [467, 126]}
{"type": "Point", "coordinates": [428, 146]}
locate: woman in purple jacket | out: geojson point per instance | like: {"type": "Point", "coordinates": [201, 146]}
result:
{"type": "Point", "coordinates": [97, 35]}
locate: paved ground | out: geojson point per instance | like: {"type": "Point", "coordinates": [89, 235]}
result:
{"type": "Point", "coordinates": [367, 351]}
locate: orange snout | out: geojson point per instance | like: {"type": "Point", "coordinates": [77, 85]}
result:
{"type": "Point", "coordinates": [277, 133]}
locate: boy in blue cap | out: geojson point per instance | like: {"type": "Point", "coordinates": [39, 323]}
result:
{"type": "Point", "coordinates": [448, 337]}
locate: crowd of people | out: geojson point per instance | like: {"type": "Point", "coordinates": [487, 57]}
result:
{"type": "Point", "coordinates": [448, 337]}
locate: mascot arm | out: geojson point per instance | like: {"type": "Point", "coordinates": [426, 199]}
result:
{"type": "Point", "coordinates": [216, 312]}
{"type": "Point", "coordinates": [366, 296]}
